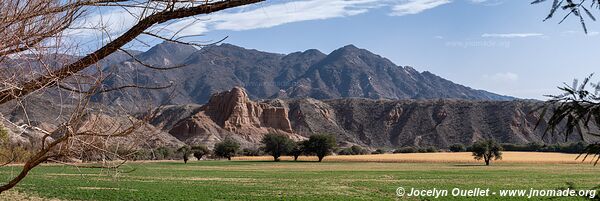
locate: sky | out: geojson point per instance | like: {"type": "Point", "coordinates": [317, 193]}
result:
{"type": "Point", "coordinates": [502, 46]}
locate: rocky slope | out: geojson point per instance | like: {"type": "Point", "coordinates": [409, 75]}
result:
{"type": "Point", "coordinates": [367, 122]}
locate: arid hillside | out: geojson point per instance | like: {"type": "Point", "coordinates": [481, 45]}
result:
{"type": "Point", "coordinates": [373, 123]}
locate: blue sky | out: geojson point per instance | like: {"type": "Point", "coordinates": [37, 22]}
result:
{"type": "Point", "coordinates": [497, 45]}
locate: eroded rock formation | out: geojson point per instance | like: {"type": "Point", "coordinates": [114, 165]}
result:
{"type": "Point", "coordinates": [232, 113]}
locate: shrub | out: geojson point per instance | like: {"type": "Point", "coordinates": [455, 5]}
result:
{"type": "Point", "coordinates": [277, 145]}
{"type": "Point", "coordinates": [457, 148]}
{"type": "Point", "coordinates": [378, 151]}
{"type": "Point", "coordinates": [577, 147]}
{"type": "Point", "coordinates": [406, 150]}
{"type": "Point", "coordinates": [251, 152]}
{"type": "Point", "coordinates": [320, 145]}
{"type": "Point", "coordinates": [227, 148]}
{"type": "Point", "coordinates": [429, 149]}
{"type": "Point", "coordinates": [353, 150]}
{"type": "Point", "coordinates": [162, 153]}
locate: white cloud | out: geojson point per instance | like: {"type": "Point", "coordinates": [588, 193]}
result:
{"type": "Point", "coordinates": [502, 77]}
{"type": "Point", "coordinates": [256, 16]}
{"type": "Point", "coordinates": [409, 7]}
{"type": "Point", "coordinates": [580, 33]}
{"type": "Point", "coordinates": [511, 35]}
{"type": "Point", "coordinates": [278, 14]}
{"type": "Point", "coordinates": [488, 2]}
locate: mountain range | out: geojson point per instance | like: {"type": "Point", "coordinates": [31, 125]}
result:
{"type": "Point", "coordinates": [225, 90]}
{"type": "Point", "coordinates": [348, 72]}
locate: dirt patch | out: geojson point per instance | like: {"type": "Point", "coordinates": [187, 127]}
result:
{"type": "Point", "coordinates": [15, 195]}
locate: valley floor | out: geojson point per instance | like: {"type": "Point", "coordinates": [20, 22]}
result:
{"type": "Point", "coordinates": [334, 179]}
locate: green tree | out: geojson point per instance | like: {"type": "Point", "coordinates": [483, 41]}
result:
{"type": "Point", "coordinates": [200, 150]}
{"type": "Point", "coordinates": [277, 145]}
{"type": "Point", "coordinates": [298, 149]}
{"type": "Point", "coordinates": [487, 150]}
{"type": "Point", "coordinates": [320, 145]}
{"type": "Point", "coordinates": [185, 153]}
{"type": "Point", "coordinates": [227, 148]}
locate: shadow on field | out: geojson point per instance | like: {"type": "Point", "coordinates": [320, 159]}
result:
{"type": "Point", "coordinates": [271, 161]}
{"type": "Point", "coordinates": [469, 165]}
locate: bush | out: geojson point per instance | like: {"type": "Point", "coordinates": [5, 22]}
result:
{"type": "Point", "coordinates": [429, 149]}
{"type": "Point", "coordinates": [227, 148]}
{"type": "Point", "coordinates": [406, 150]}
{"type": "Point", "coordinates": [457, 148]}
{"type": "Point", "coordinates": [320, 145]}
{"type": "Point", "coordinates": [577, 147]}
{"type": "Point", "coordinates": [277, 145]}
{"type": "Point", "coordinates": [163, 153]}
{"type": "Point", "coordinates": [354, 150]}
{"type": "Point", "coordinates": [378, 151]}
{"type": "Point", "coordinates": [251, 152]}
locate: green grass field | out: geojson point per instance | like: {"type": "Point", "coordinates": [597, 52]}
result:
{"type": "Point", "coordinates": [265, 180]}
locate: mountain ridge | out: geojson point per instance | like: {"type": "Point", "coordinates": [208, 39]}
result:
{"type": "Point", "coordinates": [346, 72]}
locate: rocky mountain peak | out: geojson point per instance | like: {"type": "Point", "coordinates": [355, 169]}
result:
{"type": "Point", "coordinates": [167, 53]}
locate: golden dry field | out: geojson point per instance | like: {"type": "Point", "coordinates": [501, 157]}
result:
{"type": "Point", "coordinates": [442, 157]}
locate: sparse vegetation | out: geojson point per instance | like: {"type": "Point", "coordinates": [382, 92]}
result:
{"type": "Point", "coordinates": [227, 148]}
{"type": "Point", "coordinates": [487, 150]}
{"type": "Point", "coordinates": [320, 145]}
{"type": "Point", "coordinates": [277, 145]}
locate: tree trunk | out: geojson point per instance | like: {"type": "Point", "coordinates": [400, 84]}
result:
{"type": "Point", "coordinates": [228, 157]}
{"type": "Point", "coordinates": [487, 161]}
{"type": "Point", "coordinates": [320, 158]}
{"type": "Point", "coordinates": [295, 158]}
